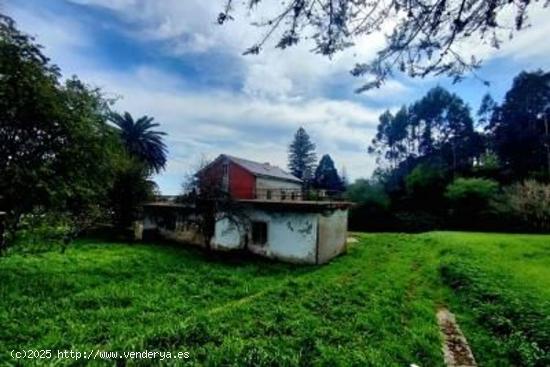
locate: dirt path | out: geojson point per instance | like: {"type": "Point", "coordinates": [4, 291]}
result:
{"type": "Point", "coordinates": [456, 351]}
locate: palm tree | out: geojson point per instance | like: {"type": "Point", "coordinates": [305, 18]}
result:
{"type": "Point", "coordinates": [141, 141]}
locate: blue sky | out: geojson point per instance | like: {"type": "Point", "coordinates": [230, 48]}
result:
{"type": "Point", "coordinates": [168, 59]}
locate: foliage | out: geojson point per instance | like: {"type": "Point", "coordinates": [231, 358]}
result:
{"type": "Point", "coordinates": [388, 143]}
{"type": "Point", "coordinates": [56, 152]}
{"type": "Point", "coordinates": [373, 307]}
{"type": "Point", "coordinates": [145, 154]}
{"type": "Point", "coordinates": [301, 156]}
{"type": "Point", "coordinates": [437, 127]}
{"type": "Point", "coordinates": [528, 201]}
{"type": "Point", "coordinates": [425, 180]}
{"type": "Point", "coordinates": [372, 205]}
{"type": "Point", "coordinates": [326, 176]}
{"type": "Point", "coordinates": [130, 189]}
{"type": "Point", "coordinates": [471, 191]}
{"type": "Point", "coordinates": [487, 107]}
{"type": "Point", "coordinates": [488, 162]}
{"type": "Point", "coordinates": [365, 192]}
{"type": "Point", "coordinates": [59, 157]}
{"type": "Point", "coordinates": [205, 192]}
{"type": "Point", "coordinates": [519, 127]}
{"type": "Point", "coordinates": [425, 40]}
{"type": "Point", "coordinates": [141, 141]}
{"type": "Point", "coordinates": [470, 201]}
{"type": "Point", "coordinates": [423, 147]}
{"type": "Point", "coordinates": [41, 231]}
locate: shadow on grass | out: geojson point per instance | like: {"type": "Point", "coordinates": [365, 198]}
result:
{"type": "Point", "coordinates": [230, 258]}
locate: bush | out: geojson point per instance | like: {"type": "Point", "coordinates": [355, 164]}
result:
{"type": "Point", "coordinates": [470, 200]}
{"type": "Point", "coordinates": [372, 209]}
{"type": "Point", "coordinates": [529, 203]}
{"type": "Point", "coordinates": [363, 192]}
{"type": "Point", "coordinates": [424, 179]}
{"type": "Point", "coordinates": [40, 231]}
{"type": "Point", "coordinates": [477, 191]}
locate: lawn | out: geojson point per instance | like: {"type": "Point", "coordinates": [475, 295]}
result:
{"type": "Point", "coordinates": [374, 306]}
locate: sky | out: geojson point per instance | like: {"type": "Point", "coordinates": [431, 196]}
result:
{"type": "Point", "coordinates": [169, 59]}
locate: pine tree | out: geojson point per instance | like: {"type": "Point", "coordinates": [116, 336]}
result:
{"type": "Point", "coordinates": [326, 175]}
{"type": "Point", "coordinates": [301, 156]}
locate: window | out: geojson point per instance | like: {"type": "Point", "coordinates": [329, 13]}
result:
{"type": "Point", "coordinates": [283, 195]}
{"type": "Point", "coordinates": [268, 195]}
{"type": "Point", "coordinates": [259, 233]}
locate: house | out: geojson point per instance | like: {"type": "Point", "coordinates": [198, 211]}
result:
{"type": "Point", "coordinates": [268, 215]}
{"type": "Point", "coordinates": [246, 179]}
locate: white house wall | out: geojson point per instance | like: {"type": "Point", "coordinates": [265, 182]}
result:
{"type": "Point", "coordinates": [333, 229]}
{"type": "Point", "coordinates": [290, 236]}
{"type": "Point", "coordinates": [227, 235]}
{"type": "Point", "coordinates": [299, 237]}
{"type": "Point", "coordinates": [263, 184]}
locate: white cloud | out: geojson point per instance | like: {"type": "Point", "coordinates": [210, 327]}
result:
{"type": "Point", "coordinates": [189, 27]}
{"type": "Point", "coordinates": [57, 35]}
{"type": "Point", "coordinates": [281, 90]}
{"type": "Point", "coordinates": [111, 4]}
{"type": "Point", "coordinates": [215, 122]}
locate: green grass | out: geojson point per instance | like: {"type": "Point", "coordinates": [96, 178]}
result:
{"type": "Point", "coordinates": [374, 306]}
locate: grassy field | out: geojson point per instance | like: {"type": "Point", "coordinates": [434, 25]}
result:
{"type": "Point", "coordinates": [374, 306]}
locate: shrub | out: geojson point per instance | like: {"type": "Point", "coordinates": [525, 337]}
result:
{"type": "Point", "coordinates": [363, 192]}
{"type": "Point", "coordinates": [372, 209]}
{"type": "Point", "coordinates": [424, 179]}
{"type": "Point", "coordinates": [477, 191]}
{"type": "Point", "coordinates": [40, 231]}
{"type": "Point", "coordinates": [529, 203]}
{"type": "Point", "coordinates": [470, 200]}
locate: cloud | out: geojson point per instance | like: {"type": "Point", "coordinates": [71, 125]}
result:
{"type": "Point", "coordinates": [189, 27]}
{"type": "Point", "coordinates": [268, 97]}
{"type": "Point", "coordinates": [217, 121]}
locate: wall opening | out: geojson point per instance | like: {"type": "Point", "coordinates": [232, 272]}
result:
{"type": "Point", "coordinates": [259, 233]}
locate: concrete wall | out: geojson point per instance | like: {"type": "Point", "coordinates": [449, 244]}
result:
{"type": "Point", "coordinates": [228, 235]}
{"type": "Point", "coordinates": [263, 184]}
{"type": "Point", "coordinates": [333, 229]}
{"type": "Point", "coordinates": [291, 236]}
{"type": "Point", "coordinates": [173, 224]}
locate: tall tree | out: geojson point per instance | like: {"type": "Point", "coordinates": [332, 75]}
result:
{"type": "Point", "coordinates": [146, 154]}
{"type": "Point", "coordinates": [486, 110]}
{"type": "Point", "coordinates": [437, 127]}
{"type": "Point", "coordinates": [426, 36]}
{"type": "Point", "coordinates": [56, 151]}
{"type": "Point", "coordinates": [446, 129]}
{"type": "Point", "coordinates": [389, 142]}
{"type": "Point", "coordinates": [519, 126]}
{"type": "Point", "coordinates": [141, 141]}
{"type": "Point", "coordinates": [301, 156]}
{"type": "Point", "coordinates": [326, 176]}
